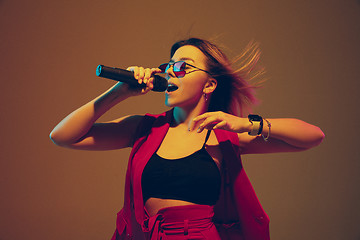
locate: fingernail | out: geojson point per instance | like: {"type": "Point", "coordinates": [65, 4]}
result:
{"type": "Point", "coordinates": [198, 130]}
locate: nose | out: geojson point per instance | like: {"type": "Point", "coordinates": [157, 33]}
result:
{"type": "Point", "coordinates": [170, 73]}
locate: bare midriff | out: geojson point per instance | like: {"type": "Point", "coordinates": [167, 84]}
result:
{"type": "Point", "coordinates": [153, 205]}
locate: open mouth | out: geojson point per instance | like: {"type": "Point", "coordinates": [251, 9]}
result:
{"type": "Point", "coordinates": [172, 87]}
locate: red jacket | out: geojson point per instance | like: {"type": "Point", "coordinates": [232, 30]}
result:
{"type": "Point", "coordinates": [238, 213]}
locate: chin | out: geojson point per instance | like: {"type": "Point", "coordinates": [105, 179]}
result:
{"type": "Point", "coordinates": [182, 102]}
{"type": "Point", "coordinates": [169, 104]}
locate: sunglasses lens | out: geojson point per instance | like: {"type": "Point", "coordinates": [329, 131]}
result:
{"type": "Point", "coordinates": [179, 69]}
{"type": "Point", "coordinates": [163, 67]}
{"type": "Point", "coordinates": [179, 74]}
{"type": "Point", "coordinates": [179, 66]}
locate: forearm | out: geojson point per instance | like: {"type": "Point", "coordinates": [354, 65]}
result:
{"type": "Point", "coordinates": [79, 122]}
{"type": "Point", "coordinates": [294, 132]}
{"type": "Point", "coordinates": [284, 134]}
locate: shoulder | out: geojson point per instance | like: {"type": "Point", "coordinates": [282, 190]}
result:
{"type": "Point", "coordinates": [149, 121]}
{"type": "Point", "coordinates": [158, 119]}
{"type": "Point", "coordinates": [159, 115]}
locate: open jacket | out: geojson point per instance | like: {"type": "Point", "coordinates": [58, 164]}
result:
{"type": "Point", "coordinates": [237, 214]}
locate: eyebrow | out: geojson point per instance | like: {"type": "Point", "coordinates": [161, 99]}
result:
{"type": "Point", "coordinates": [184, 59]}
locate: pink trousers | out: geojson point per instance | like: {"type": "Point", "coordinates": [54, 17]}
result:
{"type": "Point", "coordinates": [180, 223]}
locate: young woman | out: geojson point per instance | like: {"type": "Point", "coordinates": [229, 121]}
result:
{"type": "Point", "coordinates": [185, 178]}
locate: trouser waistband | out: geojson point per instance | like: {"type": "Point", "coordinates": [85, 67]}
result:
{"type": "Point", "coordinates": [179, 220]}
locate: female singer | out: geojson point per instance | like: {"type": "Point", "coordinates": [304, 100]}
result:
{"type": "Point", "coordinates": [185, 178]}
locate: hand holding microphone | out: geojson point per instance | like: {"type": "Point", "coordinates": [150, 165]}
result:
{"type": "Point", "coordinates": [160, 84]}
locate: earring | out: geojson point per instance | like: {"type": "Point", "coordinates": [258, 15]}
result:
{"type": "Point", "coordinates": [206, 97]}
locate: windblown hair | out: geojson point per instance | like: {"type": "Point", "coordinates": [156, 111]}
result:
{"type": "Point", "coordinates": [233, 94]}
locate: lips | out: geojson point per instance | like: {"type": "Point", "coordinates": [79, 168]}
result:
{"type": "Point", "coordinates": [172, 87]}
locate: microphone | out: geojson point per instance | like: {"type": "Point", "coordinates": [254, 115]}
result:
{"type": "Point", "coordinates": [121, 75]}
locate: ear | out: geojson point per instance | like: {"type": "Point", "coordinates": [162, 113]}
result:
{"type": "Point", "coordinates": [210, 86]}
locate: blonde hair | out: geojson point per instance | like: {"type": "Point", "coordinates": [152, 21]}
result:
{"type": "Point", "coordinates": [234, 94]}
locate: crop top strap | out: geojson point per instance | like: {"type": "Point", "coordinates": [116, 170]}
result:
{"type": "Point", "coordinates": [207, 137]}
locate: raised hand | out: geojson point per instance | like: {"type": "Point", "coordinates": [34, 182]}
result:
{"type": "Point", "coordinates": [221, 120]}
{"type": "Point", "coordinates": [143, 75]}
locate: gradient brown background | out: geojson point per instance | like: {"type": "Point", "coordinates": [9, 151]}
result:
{"type": "Point", "coordinates": [49, 51]}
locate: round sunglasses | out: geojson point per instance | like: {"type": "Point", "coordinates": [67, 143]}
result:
{"type": "Point", "coordinates": [179, 68]}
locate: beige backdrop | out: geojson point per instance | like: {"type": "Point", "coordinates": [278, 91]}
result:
{"type": "Point", "coordinates": [49, 51]}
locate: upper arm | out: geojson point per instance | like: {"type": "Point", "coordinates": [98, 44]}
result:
{"type": "Point", "coordinates": [256, 144]}
{"type": "Point", "coordinates": [115, 134]}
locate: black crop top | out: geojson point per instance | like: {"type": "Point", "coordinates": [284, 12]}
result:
{"type": "Point", "coordinates": [194, 178]}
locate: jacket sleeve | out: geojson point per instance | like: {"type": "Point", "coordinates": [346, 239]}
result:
{"type": "Point", "coordinates": [122, 231]}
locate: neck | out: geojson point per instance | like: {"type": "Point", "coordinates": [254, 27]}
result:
{"type": "Point", "coordinates": [184, 116]}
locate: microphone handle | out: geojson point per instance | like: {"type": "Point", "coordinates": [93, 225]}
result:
{"type": "Point", "coordinates": [121, 75]}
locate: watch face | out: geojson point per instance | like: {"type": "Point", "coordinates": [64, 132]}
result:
{"type": "Point", "coordinates": [253, 117]}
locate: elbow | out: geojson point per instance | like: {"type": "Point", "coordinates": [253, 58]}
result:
{"type": "Point", "coordinates": [312, 139]}
{"type": "Point", "coordinates": [56, 139]}
{"type": "Point", "coordinates": [317, 138]}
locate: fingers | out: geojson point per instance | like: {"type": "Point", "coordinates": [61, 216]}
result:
{"type": "Point", "coordinates": [144, 75]}
{"type": "Point", "coordinates": [221, 125]}
{"type": "Point", "coordinates": [141, 75]}
{"type": "Point", "coordinates": [221, 120]}
{"type": "Point", "coordinates": [217, 120]}
{"type": "Point", "coordinates": [196, 120]}
{"type": "Point", "coordinates": [208, 120]}
{"type": "Point", "coordinates": [210, 123]}
{"type": "Point", "coordinates": [202, 116]}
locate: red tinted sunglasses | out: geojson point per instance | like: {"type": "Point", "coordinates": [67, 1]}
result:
{"type": "Point", "coordinates": [179, 68]}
